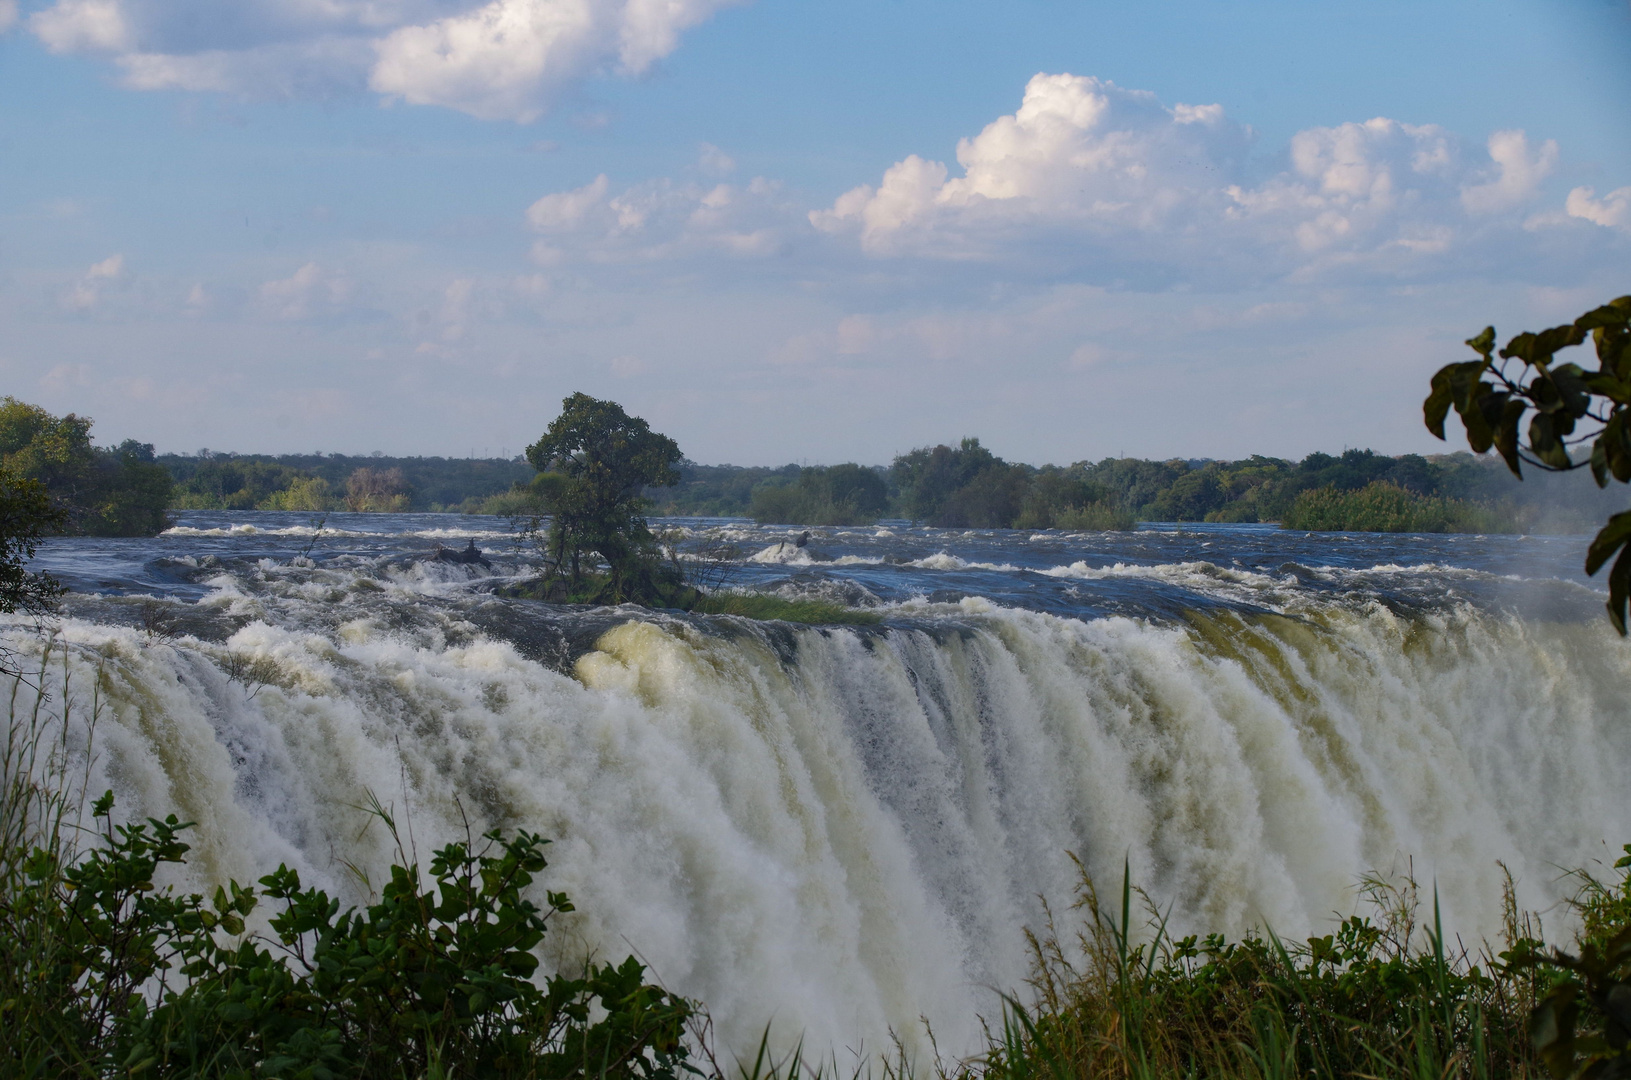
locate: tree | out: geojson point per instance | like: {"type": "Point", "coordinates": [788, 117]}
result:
{"type": "Point", "coordinates": [592, 464]}
{"type": "Point", "coordinates": [1570, 406]}
{"type": "Point", "coordinates": [101, 492]}
{"type": "Point", "coordinates": [27, 516]}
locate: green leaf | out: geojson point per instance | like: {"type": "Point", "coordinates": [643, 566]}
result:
{"type": "Point", "coordinates": [1505, 435]}
{"type": "Point", "coordinates": [1538, 348]}
{"type": "Point", "coordinates": [1609, 540]}
{"type": "Point", "coordinates": [1484, 343]}
{"type": "Point", "coordinates": [1544, 441]}
{"type": "Point", "coordinates": [1614, 313]}
{"type": "Point", "coordinates": [1619, 587]}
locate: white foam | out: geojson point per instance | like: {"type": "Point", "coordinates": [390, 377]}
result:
{"type": "Point", "coordinates": [945, 560]}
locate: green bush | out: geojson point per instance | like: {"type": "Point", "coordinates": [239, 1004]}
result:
{"type": "Point", "coordinates": [103, 974]}
{"type": "Point", "coordinates": [846, 494]}
{"type": "Point", "coordinates": [1095, 517]}
{"type": "Point", "coordinates": [427, 981]}
{"type": "Point", "coordinates": [1382, 506]}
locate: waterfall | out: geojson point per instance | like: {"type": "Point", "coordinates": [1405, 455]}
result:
{"type": "Point", "coordinates": [839, 831]}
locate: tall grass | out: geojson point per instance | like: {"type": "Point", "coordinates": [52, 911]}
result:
{"type": "Point", "coordinates": [43, 779]}
{"type": "Point", "coordinates": [1384, 998]}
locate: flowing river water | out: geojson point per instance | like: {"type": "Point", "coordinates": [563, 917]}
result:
{"type": "Point", "coordinates": [841, 831]}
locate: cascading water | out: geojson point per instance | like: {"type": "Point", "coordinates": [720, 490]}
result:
{"type": "Point", "coordinates": [839, 831]}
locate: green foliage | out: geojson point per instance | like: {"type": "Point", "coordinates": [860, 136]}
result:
{"type": "Point", "coordinates": [970, 488]}
{"type": "Point", "coordinates": [222, 481]}
{"type": "Point", "coordinates": [716, 490]}
{"type": "Point", "coordinates": [846, 494]}
{"type": "Point", "coordinates": [307, 493]}
{"type": "Point", "coordinates": [27, 516]}
{"type": "Point", "coordinates": [593, 464]}
{"type": "Point", "coordinates": [100, 492]}
{"type": "Point", "coordinates": [232, 483]}
{"type": "Point", "coordinates": [1582, 1026]}
{"type": "Point", "coordinates": [1370, 999]}
{"type": "Point", "coordinates": [1382, 506]}
{"type": "Point", "coordinates": [428, 980]}
{"type": "Point", "coordinates": [764, 607]}
{"type": "Point", "coordinates": [1494, 393]}
{"type": "Point", "coordinates": [927, 477]}
{"type": "Point", "coordinates": [376, 491]}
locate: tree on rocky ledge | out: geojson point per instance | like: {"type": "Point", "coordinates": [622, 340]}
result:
{"type": "Point", "coordinates": [592, 464]}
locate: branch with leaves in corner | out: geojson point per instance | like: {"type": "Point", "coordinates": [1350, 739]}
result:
{"type": "Point", "coordinates": [1567, 407]}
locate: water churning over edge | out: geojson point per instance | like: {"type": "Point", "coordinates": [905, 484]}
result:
{"type": "Point", "coordinates": [840, 831]}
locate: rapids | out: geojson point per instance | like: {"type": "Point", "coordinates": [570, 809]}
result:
{"type": "Point", "coordinates": [839, 831]}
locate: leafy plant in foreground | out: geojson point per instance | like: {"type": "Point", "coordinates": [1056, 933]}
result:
{"type": "Point", "coordinates": [430, 980]}
{"type": "Point", "coordinates": [1492, 398]}
{"type": "Point", "coordinates": [1582, 1027]}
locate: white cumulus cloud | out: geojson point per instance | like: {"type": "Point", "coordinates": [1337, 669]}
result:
{"type": "Point", "coordinates": [1077, 150]}
{"type": "Point", "coordinates": [1091, 174]}
{"type": "Point", "coordinates": [1613, 209]}
{"type": "Point", "coordinates": [1518, 174]}
{"type": "Point", "coordinates": [495, 59]}
{"type": "Point", "coordinates": [8, 15]}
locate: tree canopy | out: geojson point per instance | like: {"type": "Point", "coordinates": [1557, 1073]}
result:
{"type": "Point", "coordinates": [593, 463]}
{"type": "Point", "coordinates": [100, 492]}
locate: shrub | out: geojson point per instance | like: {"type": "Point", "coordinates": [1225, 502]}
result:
{"type": "Point", "coordinates": [103, 974]}
{"type": "Point", "coordinates": [1382, 506]}
{"type": "Point", "coordinates": [309, 494]}
{"type": "Point", "coordinates": [846, 494]}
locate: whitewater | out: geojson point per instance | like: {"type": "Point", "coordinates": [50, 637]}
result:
{"type": "Point", "coordinates": [844, 832]}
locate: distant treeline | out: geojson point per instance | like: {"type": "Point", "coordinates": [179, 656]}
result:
{"type": "Point", "coordinates": [967, 486]}
{"type": "Point", "coordinates": [323, 482]}
{"type": "Point", "coordinates": [99, 491]}
{"type": "Point", "coordinates": [962, 486]}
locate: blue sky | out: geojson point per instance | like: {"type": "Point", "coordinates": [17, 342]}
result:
{"type": "Point", "coordinates": [795, 231]}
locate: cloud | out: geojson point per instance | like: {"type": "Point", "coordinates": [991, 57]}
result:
{"type": "Point", "coordinates": [87, 291]}
{"type": "Point", "coordinates": [1079, 151]}
{"type": "Point", "coordinates": [1087, 177]}
{"type": "Point", "coordinates": [497, 60]}
{"type": "Point", "coordinates": [662, 219]}
{"type": "Point", "coordinates": [8, 15]}
{"type": "Point", "coordinates": [309, 293]}
{"type": "Point", "coordinates": [712, 161]}
{"type": "Point", "coordinates": [82, 26]}
{"type": "Point", "coordinates": [565, 210]}
{"type": "Point", "coordinates": [110, 267]}
{"type": "Point", "coordinates": [1613, 209]}
{"type": "Point", "coordinates": [1518, 176]}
